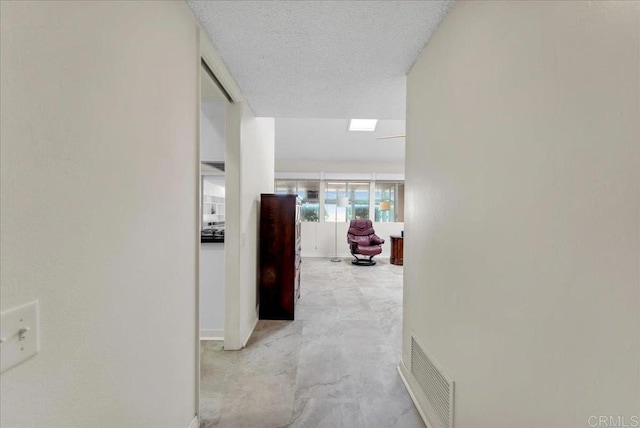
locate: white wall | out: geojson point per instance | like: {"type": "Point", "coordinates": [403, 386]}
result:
{"type": "Point", "coordinates": [249, 171]}
{"type": "Point", "coordinates": [318, 239]}
{"type": "Point", "coordinates": [522, 233]}
{"type": "Point", "coordinates": [339, 166]}
{"type": "Point", "coordinates": [99, 210]}
{"type": "Point", "coordinates": [213, 185]}
{"type": "Point", "coordinates": [257, 177]}
{"type": "Point", "coordinates": [330, 140]}
{"type": "Point", "coordinates": [212, 273]}
{"type": "Point", "coordinates": [212, 130]}
{"type": "Point", "coordinates": [212, 287]}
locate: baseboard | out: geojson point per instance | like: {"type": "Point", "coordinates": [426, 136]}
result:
{"type": "Point", "coordinates": [208, 334]}
{"type": "Point", "coordinates": [407, 379]}
{"type": "Point", "coordinates": [319, 255]}
{"type": "Point", "coordinates": [195, 423]}
{"type": "Point", "coordinates": [340, 256]}
{"type": "Point", "coordinates": [248, 336]}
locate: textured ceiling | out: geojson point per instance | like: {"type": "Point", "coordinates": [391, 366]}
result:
{"type": "Point", "coordinates": [328, 139]}
{"type": "Point", "coordinates": [321, 59]}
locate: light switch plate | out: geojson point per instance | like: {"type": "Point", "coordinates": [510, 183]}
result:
{"type": "Point", "coordinates": [19, 331]}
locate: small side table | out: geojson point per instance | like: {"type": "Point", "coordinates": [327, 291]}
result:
{"type": "Point", "coordinates": [397, 250]}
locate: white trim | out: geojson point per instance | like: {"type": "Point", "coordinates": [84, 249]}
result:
{"type": "Point", "coordinates": [232, 249]}
{"type": "Point", "coordinates": [198, 178]}
{"type": "Point", "coordinates": [372, 199]}
{"type": "Point", "coordinates": [209, 334]}
{"type": "Point", "coordinates": [248, 336]}
{"type": "Point", "coordinates": [348, 176]}
{"type": "Point", "coordinates": [214, 62]}
{"type": "Point", "coordinates": [297, 175]}
{"type": "Point", "coordinates": [341, 255]}
{"type": "Point", "coordinates": [321, 200]}
{"type": "Point", "coordinates": [212, 174]}
{"type": "Point", "coordinates": [387, 176]}
{"type": "Point", "coordinates": [195, 423]}
{"type": "Point", "coordinates": [408, 380]}
{"type": "Point", "coordinates": [209, 54]}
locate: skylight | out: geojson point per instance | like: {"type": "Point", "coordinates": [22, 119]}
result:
{"type": "Point", "coordinates": [363, 125]}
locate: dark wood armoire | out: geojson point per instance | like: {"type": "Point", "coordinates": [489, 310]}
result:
{"type": "Point", "coordinates": [279, 256]}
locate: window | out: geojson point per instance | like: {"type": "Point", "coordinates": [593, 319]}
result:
{"type": "Point", "coordinates": [308, 191]}
{"type": "Point", "coordinates": [359, 200]}
{"type": "Point", "coordinates": [332, 192]}
{"type": "Point", "coordinates": [389, 202]}
{"type": "Point", "coordinates": [285, 187]}
{"type": "Point", "coordinates": [358, 194]}
{"type": "Point", "coordinates": [387, 199]}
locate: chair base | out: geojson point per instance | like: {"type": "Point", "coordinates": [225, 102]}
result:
{"type": "Point", "coordinates": [363, 262]}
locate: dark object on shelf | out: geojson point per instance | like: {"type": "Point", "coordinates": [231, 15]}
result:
{"type": "Point", "coordinates": [363, 240]}
{"type": "Point", "coordinates": [397, 250]}
{"type": "Point", "coordinates": [280, 257]}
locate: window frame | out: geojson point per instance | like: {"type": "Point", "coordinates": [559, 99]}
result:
{"type": "Point", "coordinates": [325, 207]}
{"type": "Point", "coordinates": [394, 200]}
{"type": "Point", "coordinates": [296, 191]}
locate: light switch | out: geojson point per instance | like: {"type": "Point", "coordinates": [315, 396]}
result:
{"type": "Point", "coordinates": [19, 333]}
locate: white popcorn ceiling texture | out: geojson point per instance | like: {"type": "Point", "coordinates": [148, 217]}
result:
{"type": "Point", "coordinates": [321, 59]}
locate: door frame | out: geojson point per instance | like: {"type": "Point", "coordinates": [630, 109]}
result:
{"type": "Point", "coordinates": [208, 57]}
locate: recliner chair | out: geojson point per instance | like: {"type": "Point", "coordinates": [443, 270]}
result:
{"type": "Point", "coordinates": [363, 241]}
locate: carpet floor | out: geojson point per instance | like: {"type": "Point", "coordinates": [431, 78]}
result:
{"type": "Point", "coordinates": [334, 366]}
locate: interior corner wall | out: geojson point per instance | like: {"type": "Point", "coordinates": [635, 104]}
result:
{"type": "Point", "coordinates": [232, 227]}
{"type": "Point", "coordinates": [341, 166]}
{"type": "Point", "coordinates": [522, 211]}
{"type": "Point", "coordinates": [257, 162]}
{"type": "Point", "coordinates": [99, 210]}
{"type": "Point", "coordinates": [249, 171]}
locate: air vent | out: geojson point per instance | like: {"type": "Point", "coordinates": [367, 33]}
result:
{"type": "Point", "coordinates": [436, 385]}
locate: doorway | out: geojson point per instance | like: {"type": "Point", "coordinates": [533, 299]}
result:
{"type": "Point", "coordinates": [213, 107]}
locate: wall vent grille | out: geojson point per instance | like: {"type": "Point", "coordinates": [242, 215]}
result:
{"type": "Point", "coordinates": [436, 385]}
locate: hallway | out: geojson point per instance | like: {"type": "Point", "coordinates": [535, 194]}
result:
{"type": "Point", "coordinates": [334, 366]}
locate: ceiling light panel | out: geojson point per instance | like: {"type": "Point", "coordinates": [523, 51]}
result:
{"type": "Point", "coordinates": [363, 125]}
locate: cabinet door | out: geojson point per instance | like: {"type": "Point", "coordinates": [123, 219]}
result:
{"type": "Point", "coordinates": [279, 256]}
